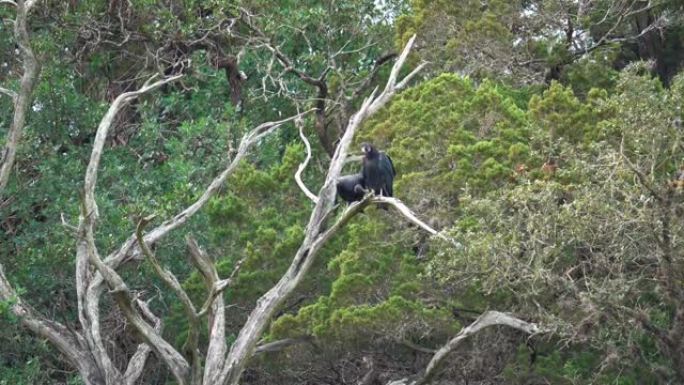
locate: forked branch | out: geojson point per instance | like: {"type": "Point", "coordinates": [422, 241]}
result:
{"type": "Point", "coordinates": [315, 236]}
{"type": "Point", "coordinates": [487, 319]}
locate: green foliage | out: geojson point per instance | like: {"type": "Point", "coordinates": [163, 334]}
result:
{"type": "Point", "coordinates": [376, 293]}
{"type": "Point", "coordinates": [575, 239]}
{"type": "Point", "coordinates": [556, 170]}
{"type": "Point", "coordinates": [563, 115]}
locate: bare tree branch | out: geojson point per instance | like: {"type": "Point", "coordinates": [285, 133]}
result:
{"type": "Point", "coordinates": [405, 211]}
{"type": "Point", "coordinates": [218, 288]}
{"type": "Point", "coordinates": [101, 137]}
{"type": "Point", "coordinates": [10, 93]}
{"type": "Point", "coordinates": [22, 99]}
{"type": "Point", "coordinates": [126, 302]}
{"type": "Point", "coordinates": [279, 345]}
{"type": "Point", "coordinates": [137, 362]}
{"type": "Point", "coordinates": [88, 284]}
{"type": "Point", "coordinates": [216, 351]}
{"type": "Point", "coordinates": [192, 340]}
{"type": "Point", "coordinates": [314, 239]}
{"type": "Point", "coordinates": [130, 249]}
{"type": "Point", "coordinates": [392, 87]}
{"type": "Point", "coordinates": [302, 166]}
{"type": "Point", "coordinates": [487, 319]}
{"type": "Point", "coordinates": [68, 342]}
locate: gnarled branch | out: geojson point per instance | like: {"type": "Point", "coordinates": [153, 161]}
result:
{"type": "Point", "coordinates": [137, 362]}
{"type": "Point", "coordinates": [68, 342]}
{"type": "Point", "coordinates": [315, 236]}
{"type": "Point", "coordinates": [22, 100]}
{"type": "Point", "coordinates": [487, 319]}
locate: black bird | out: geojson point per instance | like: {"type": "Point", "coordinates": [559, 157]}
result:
{"type": "Point", "coordinates": [350, 187]}
{"type": "Point", "coordinates": [378, 171]}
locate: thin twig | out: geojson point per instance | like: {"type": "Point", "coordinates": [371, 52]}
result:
{"type": "Point", "coordinates": [302, 166]}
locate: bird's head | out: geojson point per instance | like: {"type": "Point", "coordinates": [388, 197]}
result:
{"type": "Point", "coordinates": [367, 148]}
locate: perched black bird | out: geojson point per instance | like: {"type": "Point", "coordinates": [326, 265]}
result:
{"type": "Point", "coordinates": [378, 171]}
{"type": "Point", "coordinates": [350, 187]}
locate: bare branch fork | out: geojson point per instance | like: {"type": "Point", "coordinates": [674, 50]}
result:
{"type": "Point", "coordinates": [90, 287]}
{"type": "Point", "coordinates": [487, 319]}
{"type": "Point", "coordinates": [87, 350]}
{"type": "Point", "coordinates": [315, 236]}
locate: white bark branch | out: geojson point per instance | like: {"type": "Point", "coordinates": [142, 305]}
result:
{"type": "Point", "coordinates": [392, 87]}
{"type": "Point", "coordinates": [89, 285]}
{"type": "Point", "coordinates": [487, 319]}
{"type": "Point", "coordinates": [314, 239]}
{"type": "Point", "coordinates": [10, 93]}
{"type": "Point", "coordinates": [216, 351]}
{"type": "Point", "coordinates": [68, 342]}
{"type": "Point", "coordinates": [130, 248]}
{"type": "Point", "coordinates": [192, 340]}
{"type": "Point", "coordinates": [101, 137]}
{"type": "Point", "coordinates": [125, 300]}
{"type": "Point", "coordinates": [137, 362]}
{"type": "Point", "coordinates": [298, 175]}
{"type": "Point", "coordinates": [279, 345]}
{"type": "Point", "coordinates": [405, 211]}
{"type": "Point", "coordinates": [22, 99]}
{"type": "Point", "coordinates": [218, 288]}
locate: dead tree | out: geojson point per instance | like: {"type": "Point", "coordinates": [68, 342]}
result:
{"type": "Point", "coordinates": [86, 348]}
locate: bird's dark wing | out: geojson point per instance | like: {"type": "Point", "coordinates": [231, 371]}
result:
{"type": "Point", "coordinates": [394, 172]}
{"type": "Point", "coordinates": [387, 168]}
{"type": "Point", "coordinates": [350, 187]}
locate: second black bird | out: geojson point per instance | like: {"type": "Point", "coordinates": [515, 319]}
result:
{"type": "Point", "coordinates": [378, 171]}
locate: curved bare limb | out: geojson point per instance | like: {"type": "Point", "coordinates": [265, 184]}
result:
{"type": "Point", "coordinates": [101, 137]}
{"type": "Point", "coordinates": [130, 249]}
{"type": "Point", "coordinates": [23, 98]}
{"type": "Point", "coordinates": [68, 342]}
{"type": "Point", "coordinates": [302, 166]}
{"type": "Point", "coordinates": [12, 95]}
{"type": "Point", "coordinates": [126, 301]}
{"type": "Point", "coordinates": [192, 340]}
{"type": "Point", "coordinates": [216, 351]}
{"type": "Point", "coordinates": [487, 319]}
{"type": "Point", "coordinates": [315, 236]}
{"type": "Point", "coordinates": [90, 285]}
{"type": "Point", "coordinates": [405, 211]}
{"type": "Point", "coordinates": [137, 362]}
{"type": "Point", "coordinates": [87, 296]}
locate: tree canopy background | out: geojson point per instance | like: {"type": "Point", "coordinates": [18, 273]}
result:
{"type": "Point", "coordinates": [545, 137]}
